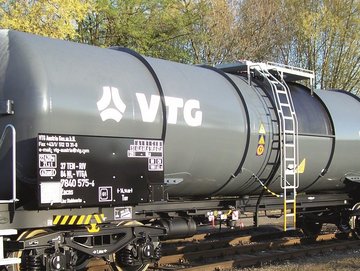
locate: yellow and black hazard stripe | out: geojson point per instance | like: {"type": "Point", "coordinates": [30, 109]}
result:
{"type": "Point", "coordinates": [78, 219]}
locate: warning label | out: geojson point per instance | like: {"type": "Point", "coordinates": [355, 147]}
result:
{"type": "Point", "coordinates": [260, 150]}
{"type": "Point", "coordinates": [261, 142]}
{"type": "Point", "coordinates": [262, 130]}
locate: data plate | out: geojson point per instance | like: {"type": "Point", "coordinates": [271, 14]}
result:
{"type": "Point", "coordinates": [79, 171]}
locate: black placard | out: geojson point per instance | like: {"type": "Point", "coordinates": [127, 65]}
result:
{"type": "Point", "coordinates": [76, 170]}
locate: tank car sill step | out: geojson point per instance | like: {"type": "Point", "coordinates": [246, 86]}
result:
{"type": "Point", "coordinates": [9, 261]}
{"type": "Point", "coordinates": [8, 232]}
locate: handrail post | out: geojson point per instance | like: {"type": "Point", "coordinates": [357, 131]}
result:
{"type": "Point", "coordinates": [13, 140]}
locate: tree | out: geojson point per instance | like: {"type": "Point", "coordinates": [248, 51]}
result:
{"type": "Point", "coordinates": [52, 18]}
{"type": "Point", "coordinates": [326, 39]}
{"type": "Point", "coordinates": [154, 27]}
{"type": "Point", "coordinates": [213, 33]}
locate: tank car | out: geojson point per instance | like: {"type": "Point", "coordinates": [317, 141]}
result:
{"type": "Point", "coordinates": [106, 152]}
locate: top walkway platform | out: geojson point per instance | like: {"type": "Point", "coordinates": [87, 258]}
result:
{"type": "Point", "coordinates": [288, 73]}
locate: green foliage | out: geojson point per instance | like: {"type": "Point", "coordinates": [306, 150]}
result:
{"type": "Point", "coordinates": [326, 39]}
{"type": "Point", "coordinates": [52, 18]}
{"type": "Point", "coordinates": [153, 27]}
{"type": "Point", "coordinates": [321, 35]}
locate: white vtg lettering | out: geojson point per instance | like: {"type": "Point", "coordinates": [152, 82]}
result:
{"type": "Point", "coordinates": [191, 109]}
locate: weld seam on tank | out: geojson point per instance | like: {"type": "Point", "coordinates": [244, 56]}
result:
{"type": "Point", "coordinates": [156, 79]}
{"type": "Point", "coordinates": [247, 115]}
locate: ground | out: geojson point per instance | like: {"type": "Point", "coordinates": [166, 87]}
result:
{"type": "Point", "coordinates": [348, 260]}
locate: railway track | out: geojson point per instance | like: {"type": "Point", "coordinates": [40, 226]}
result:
{"type": "Point", "coordinates": [252, 254]}
{"type": "Point", "coordinates": [225, 251]}
{"type": "Point", "coordinates": [237, 254]}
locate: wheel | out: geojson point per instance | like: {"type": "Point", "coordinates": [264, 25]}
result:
{"type": "Point", "coordinates": [82, 261]}
{"type": "Point", "coordinates": [119, 265]}
{"type": "Point", "coordinates": [355, 222]}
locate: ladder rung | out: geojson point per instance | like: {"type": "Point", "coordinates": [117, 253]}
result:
{"type": "Point", "coordinates": [288, 145]}
{"type": "Point", "coordinates": [291, 159]}
{"type": "Point", "coordinates": [284, 105]}
{"type": "Point", "coordinates": [288, 118]}
{"type": "Point", "coordinates": [290, 201]}
{"type": "Point", "coordinates": [289, 131]}
{"type": "Point", "coordinates": [281, 91]}
{"type": "Point", "coordinates": [291, 229]}
{"type": "Point", "coordinates": [290, 215]}
{"type": "Point", "coordinates": [289, 187]}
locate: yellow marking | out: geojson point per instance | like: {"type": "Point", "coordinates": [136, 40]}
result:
{"type": "Point", "coordinates": [262, 129]}
{"type": "Point", "coordinates": [98, 218]}
{"type": "Point", "coordinates": [72, 220]}
{"type": "Point", "coordinates": [63, 221]}
{"type": "Point", "coordinates": [56, 220]}
{"type": "Point", "coordinates": [260, 150]}
{"type": "Point", "coordinates": [81, 219]}
{"type": "Point", "coordinates": [262, 140]}
{"type": "Point", "coordinates": [93, 228]}
{"type": "Point", "coordinates": [266, 188]}
{"type": "Point", "coordinates": [88, 218]}
{"type": "Point", "coordinates": [301, 168]}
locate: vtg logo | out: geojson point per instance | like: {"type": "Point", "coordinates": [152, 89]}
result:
{"type": "Point", "coordinates": [149, 109]}
{"type": "Point", "coordinates": [106, 112]}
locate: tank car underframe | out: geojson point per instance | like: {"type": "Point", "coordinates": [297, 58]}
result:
{"type": "Point", "coordinates": [63, 247]}
{"type": "Point", "coordinates": [22, 219]}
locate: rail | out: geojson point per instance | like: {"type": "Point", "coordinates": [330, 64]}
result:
{"type": "Point", "coordinates": [3, 136]}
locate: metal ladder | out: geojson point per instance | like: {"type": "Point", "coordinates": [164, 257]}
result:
{"type": "Point", "coordinates": [289, 151]}
{"type": "Point", "coordinates": [289, 148]}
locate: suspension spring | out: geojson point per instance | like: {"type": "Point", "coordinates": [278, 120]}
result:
{"type": "Point", "coordinates": [126, 255]}
{"type": "Point", "coordinates": [157, 252]}
{"type": "Point", "coordinates": [32, 263]}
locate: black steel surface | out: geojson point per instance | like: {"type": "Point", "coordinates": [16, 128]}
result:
{"type": "Point", "coordinates": [96, 171]}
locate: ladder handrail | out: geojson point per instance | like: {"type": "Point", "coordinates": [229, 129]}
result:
{"type": "Point", "coordinates": [288, 67]}
{"type": "Point", "coordinates": [3, 136]}
{"type": "Point", "coordinates": [296, 128]}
